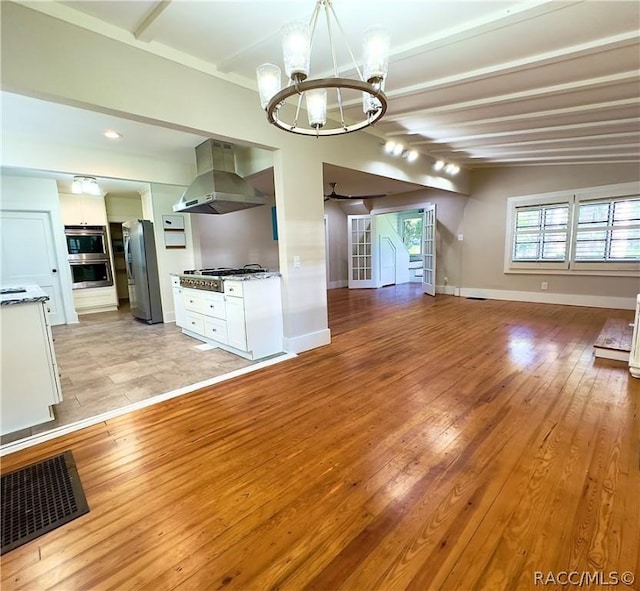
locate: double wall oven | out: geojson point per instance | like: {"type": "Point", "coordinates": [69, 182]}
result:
{"type": "Point", "coordinates": [88, 256]}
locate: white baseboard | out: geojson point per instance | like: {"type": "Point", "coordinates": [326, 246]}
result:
{"type": "Point", "coordinates": [307, 341]}
{"type": "Point", "coordinates": [97, 310]}
{"type": "Point", "coordinates": [567, 299]}
{"type": "Point", "coordinates": [448, 290]}
{"type": "Point", "coordinates": [338, 284]}
{"type": "Point", "coordinates": [169, 317]}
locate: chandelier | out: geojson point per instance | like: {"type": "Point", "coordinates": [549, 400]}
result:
{"type": "Point", "coordinates": [297, 41]}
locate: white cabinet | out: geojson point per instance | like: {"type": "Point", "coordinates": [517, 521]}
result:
{"type": "Point", "coordinates": [178, 303]}
{"type": "Point", "coordinates": [254, 316]}
{"type": "Point", "coordinates": [29, 382]}
{"type": "Point", "coordinates": [95, 299]}
{"type": "Point", "coordinates": [83, 210]}
{"type": "Point", "coordinates": [634, 354]}
{"type": "Point", "coordinates": [236, 325]}
{"type": "Point", "coordinates": [246, 319]}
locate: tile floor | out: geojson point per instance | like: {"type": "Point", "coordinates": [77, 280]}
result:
{"type": "Point", "coordinates": [110, 360]}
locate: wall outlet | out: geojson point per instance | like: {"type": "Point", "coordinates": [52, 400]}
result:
{"type": "Point", "coordinates": [544, 285]}
{"type": "Point", "coordinates": [296, 261]}
{"type": "Point", "coordinates": [461, 237]}
{"type": "Point", "coordinates": [446, 281]}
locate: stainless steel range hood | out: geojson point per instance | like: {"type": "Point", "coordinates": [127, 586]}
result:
{"type": "Point", "coordinates": [217, 189]}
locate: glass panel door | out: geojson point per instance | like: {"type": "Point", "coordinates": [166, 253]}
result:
{"type": "Point", "coordinates": [429, 250]}
{"type": "Point", "coordinates": [362, 272]}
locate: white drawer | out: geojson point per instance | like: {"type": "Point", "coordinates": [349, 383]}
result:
{"type": "Point", "coordinates": [215, 330]}
{"type": "Point", "coordinates": [194, 323]}
{"type": "Point", "coordinates": [233, 288]}
{"type": "Point", "coordinates": [212, 304]}
{"type": "Point", "coordinates": [192, 301]}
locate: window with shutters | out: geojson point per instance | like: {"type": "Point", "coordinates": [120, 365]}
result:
{"type": "Point", "coordinates": [586, 231]}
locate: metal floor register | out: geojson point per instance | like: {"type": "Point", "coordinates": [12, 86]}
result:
{"type": "Point", "coordinates": [39, 498]}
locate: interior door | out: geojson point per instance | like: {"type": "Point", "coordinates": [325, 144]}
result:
{"type": "Point", "coordinates": [429, 250]}
{"type": "Point", "coordinates": [28, 256]}
{"type": "Point", "coordinates": [361, 232]}
{"type": "Point", "coordinates": [387, 261]}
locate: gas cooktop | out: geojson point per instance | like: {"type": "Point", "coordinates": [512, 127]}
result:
{"type": "Point", "coordinates": [225, 271]}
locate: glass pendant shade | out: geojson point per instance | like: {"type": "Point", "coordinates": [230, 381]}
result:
{"type": "Point", "coordinates": [375, 49]}
{"type": "Point", "coordinates": [269, 82]}
{"type": "Point", "coordinates": [85, 185]}
{"type": "Point", "coordinates": [296, 50]}
{"type": "Point", "coordinates": [316, 107]}
{"type": "Point", "coordinates": [370, 104]}
{"type": "Point", "coordinates": [91, 187]}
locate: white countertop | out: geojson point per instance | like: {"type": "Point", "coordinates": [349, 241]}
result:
{"type": "Point", "coordinates": [31, 293]}
{"type": "Point", "coordinates": [246, 277]}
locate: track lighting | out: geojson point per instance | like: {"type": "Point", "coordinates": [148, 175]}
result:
{"type": "Point", "coordinates": [410, 155]}
{"type": "Point", "coordinates": [448, 167]}
{"type": "Point", "coordinates": [396, 149]}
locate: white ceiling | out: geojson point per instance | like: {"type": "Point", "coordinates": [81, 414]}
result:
{"type": "Point", "coordinates": [480, 83]}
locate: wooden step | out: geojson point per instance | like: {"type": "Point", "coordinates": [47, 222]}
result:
{"type": "Point", "coordinates": [614, 340]}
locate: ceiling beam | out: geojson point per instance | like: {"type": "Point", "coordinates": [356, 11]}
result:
{"type": "Point", "coordinates": [603, 106]}
{"type": "Point", "coordinates": [580, 85]}
{"type": "Point", "coordinates": [143, 32]}
{"type": "Point", "coordinates": [551, 129]}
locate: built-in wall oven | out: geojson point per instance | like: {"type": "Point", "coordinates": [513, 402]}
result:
{"type": "Point", "coordinates": [87, 247]}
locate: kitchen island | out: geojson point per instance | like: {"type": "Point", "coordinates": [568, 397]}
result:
{"type": "Point", "coordinates": [241, 314]}
{"type": "Point", "coordinates": [29, 381]}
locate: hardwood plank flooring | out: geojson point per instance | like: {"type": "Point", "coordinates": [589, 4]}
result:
{"type": "Point", "coordinates": [437, 443]}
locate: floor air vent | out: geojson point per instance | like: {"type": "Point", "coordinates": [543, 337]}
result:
{"type": "Point", "coordinates": [39, 498]}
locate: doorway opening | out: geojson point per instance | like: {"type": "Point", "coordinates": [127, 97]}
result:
{"type": "Point", "coordinates": [393, 246]}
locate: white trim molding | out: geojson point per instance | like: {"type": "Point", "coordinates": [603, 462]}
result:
{"type": "Point", "coordinates": [566, 299]}
{"type": "Point", "coordinates": [307, 341]}
{"type": "Point", "coordinates": [448, 290]}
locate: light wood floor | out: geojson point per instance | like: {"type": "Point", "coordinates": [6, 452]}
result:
{"type": "Point", "coordinates": [437, 443]}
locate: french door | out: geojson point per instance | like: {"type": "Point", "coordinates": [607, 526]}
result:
{"type": "Point", "coordinates": [429, 250]}
{"type": "Point", "coordinates": [362, 259]}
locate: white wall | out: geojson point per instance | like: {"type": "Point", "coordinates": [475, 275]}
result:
{"type": "Point", "coordinates": [238, 238]}
{"type": "Point", "coordinates": [37, 194]}
{"type": "Point", "coordinates": [122, 207]}
{"type": "Point", "coordinates": [158, 201]}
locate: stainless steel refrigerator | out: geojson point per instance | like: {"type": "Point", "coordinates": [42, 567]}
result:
{"type": "Point", "coordinates": [142, 270]}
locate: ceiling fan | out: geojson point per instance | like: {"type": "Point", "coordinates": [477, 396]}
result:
{"type": "Point", "coordinates": [334, 195]}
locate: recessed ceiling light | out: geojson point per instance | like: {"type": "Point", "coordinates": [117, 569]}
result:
{"type": "Point", "coordinates": [112, 135]}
